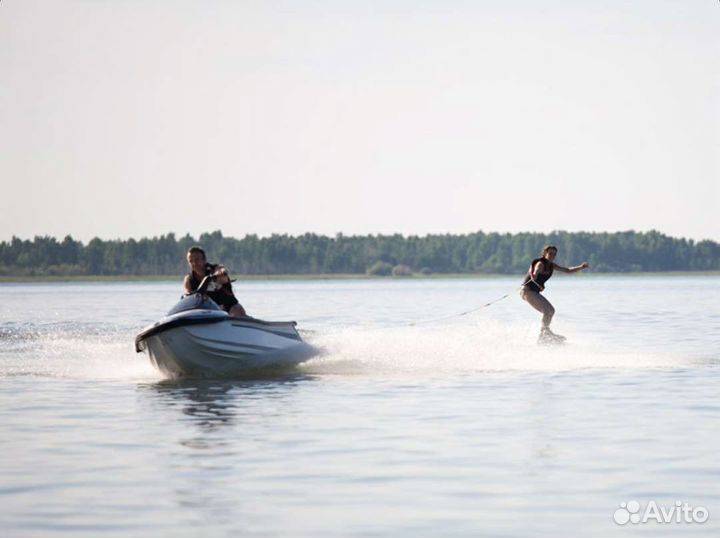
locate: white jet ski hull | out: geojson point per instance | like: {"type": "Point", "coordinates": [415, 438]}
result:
{"type": "Point", "coordinates": [231, 347]}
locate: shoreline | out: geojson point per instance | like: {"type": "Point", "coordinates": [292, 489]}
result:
{"type": "Point", "coordinates": [340, 276]}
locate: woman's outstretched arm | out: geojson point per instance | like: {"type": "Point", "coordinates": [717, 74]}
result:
{"type": "Point", "coordinates": [583, 265]}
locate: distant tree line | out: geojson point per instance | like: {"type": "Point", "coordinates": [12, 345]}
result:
{"type": "Point", "coordinates": [376, 254]}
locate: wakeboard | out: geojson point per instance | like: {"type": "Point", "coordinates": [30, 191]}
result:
{"type": "Point", "coordinates": [551, 339]}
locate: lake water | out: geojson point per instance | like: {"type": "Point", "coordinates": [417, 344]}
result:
{"type": "Point", "coordinates": [457, 428]}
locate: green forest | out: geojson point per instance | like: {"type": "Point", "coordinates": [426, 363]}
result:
{"type": "Point", "coordinates": [490, 253]}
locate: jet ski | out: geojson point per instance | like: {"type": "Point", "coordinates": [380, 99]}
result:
{"type": "Point", "coordinates": [198, 339]}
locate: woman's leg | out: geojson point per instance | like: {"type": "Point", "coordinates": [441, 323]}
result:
{"type": "Point", "coordinates": [541, 304]}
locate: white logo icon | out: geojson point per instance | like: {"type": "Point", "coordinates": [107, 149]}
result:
{"type": "Point", "coordinates": [627, 512]}
{"type": "Point", "coordinates": [679, 512]}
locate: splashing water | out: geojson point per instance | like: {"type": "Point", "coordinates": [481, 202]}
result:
{"type": "Point", "coordinates": [465, 349]}
{"type": "Point", "coordinates": [101, 351]}
{"type": "Point", "coordinates": [86, 351]}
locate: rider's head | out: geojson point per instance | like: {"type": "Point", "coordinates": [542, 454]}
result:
{"type": "Point", "coordinates": [196, 259]}
{"type": "Point", "coordinates": [549, 252]}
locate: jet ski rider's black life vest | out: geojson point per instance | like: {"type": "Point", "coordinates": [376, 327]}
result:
{"type": "Point", "coordinates": [222, 294]}
{"type": "Point", "coordinates": [543, 276]}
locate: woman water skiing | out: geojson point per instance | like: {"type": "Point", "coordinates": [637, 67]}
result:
{"type": "Point", "coordinates": [541, 269]}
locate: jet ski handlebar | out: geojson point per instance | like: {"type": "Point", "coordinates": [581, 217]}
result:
{"type": "Point", "coordinates": [205, 282]}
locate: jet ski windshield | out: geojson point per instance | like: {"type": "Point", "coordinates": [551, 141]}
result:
{"type": "Point", "coordinates": [196, 301]}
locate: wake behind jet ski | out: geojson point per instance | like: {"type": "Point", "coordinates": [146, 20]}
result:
{"type": "Point", "coordinates": [198, 339]}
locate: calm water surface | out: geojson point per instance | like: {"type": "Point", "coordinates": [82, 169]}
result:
{"type": "Point", "coordinates": [458, 428]}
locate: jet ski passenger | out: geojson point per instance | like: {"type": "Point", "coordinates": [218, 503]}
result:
{"type": "Point", "coordinates": [220, 289]}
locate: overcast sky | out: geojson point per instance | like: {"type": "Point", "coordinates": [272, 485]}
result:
{"type": "Point", "coordinates": [130, 118]}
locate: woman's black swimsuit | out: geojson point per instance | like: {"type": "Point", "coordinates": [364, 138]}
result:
{"type": "Point", "coordinates": [543, 276]}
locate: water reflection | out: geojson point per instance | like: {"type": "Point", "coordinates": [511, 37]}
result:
{"type": "Point", "coordinates": [205, 425]}
{"type": "Point", "coordinates": [209, 403]}
{"type": "Point", "coordinates": [217, 404]}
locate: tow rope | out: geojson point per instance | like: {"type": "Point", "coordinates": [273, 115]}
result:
{"type": "Point", "coordinates": [465, 313]}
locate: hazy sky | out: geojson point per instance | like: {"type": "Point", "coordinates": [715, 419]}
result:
{"type": "Point", "coordinates": [129, 118]}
